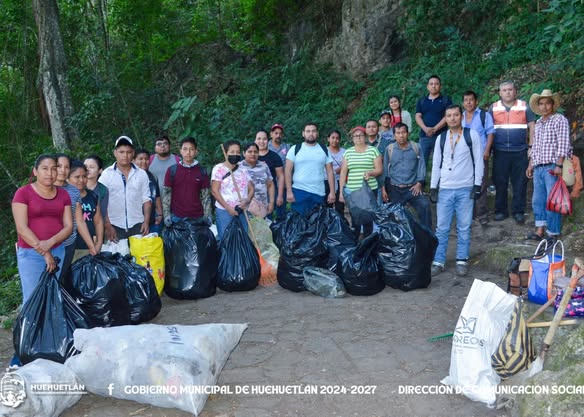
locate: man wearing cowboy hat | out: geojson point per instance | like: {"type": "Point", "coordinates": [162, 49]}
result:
{"type": "Point", "coordinates": [551, 145]}
{"type": "Point", "coordinates": [514, 123]}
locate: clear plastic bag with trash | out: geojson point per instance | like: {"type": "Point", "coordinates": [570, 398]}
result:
{"type": "Point", "coordinates": [323, 282]}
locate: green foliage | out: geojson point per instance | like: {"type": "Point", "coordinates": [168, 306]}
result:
{"type": "Point", "coordinates": [292, 94]}
{"type": "Point", "coordinates": [10, 295]}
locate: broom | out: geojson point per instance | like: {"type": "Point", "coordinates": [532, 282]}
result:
{"type": "Point", "coordinates": [268, 274]}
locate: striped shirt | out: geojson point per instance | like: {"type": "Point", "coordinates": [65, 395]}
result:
{"type": "Point", "coordinates": [551, 140]}
{"type": "Point", "coordinates": [358, 163]}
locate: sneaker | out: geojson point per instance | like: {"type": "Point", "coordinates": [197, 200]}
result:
{"type": "Point", "coordinates": [461, 268]}
{"type": "Point", "coordinates": [436, 269]}
{"type": "Point", "coordinates": [519, 218]}
{"type": "Point", "coordinates": [483, 221]}
{"type": "Point", "coordinates": [499, 217]}
{"type": "Point", "coordinates": [14, 363]}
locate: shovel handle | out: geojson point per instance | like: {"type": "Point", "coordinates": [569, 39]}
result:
{"type": "Point", "coordinates": [562, 308]}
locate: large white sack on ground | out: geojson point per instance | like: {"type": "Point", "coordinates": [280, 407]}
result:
{"type": "Point", "coordinates": [479, 330]}
{"type": "Point", "coordinates": [161, 365]}
{"type": "Point", "coordinates": [19, 399]}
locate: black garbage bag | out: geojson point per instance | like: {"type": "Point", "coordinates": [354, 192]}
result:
{"type": "Point", "coordinates": [97, 285]}
{"type": "Point", "coordinates": [396, 241]}
{"type": "Point", "coordinates": [290, 226]}
{"type": "Point", "coordinates": [141, 292]}
{"type": "Point", "coordinates": [321, 281]}
{"type": "Point", "coordinates": [339, 235]}
{"type": "Point", "coordinates": [406, 248]}
{"type": "Point", "coordinates": [362, 204]}
{"type": "Point", "coordinates": [359, 270]}
{"type": "Point", "coordinates": [192, 258]}
{"type": "Point", "coordinates": [239, 263]}
{"type": "Point", "coordinates": [302, 249]}
{"type": "Point", "coordinates": [44, 328]}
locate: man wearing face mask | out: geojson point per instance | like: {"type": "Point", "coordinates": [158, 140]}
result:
{"type": "Point", "coordinates": [304, 172]}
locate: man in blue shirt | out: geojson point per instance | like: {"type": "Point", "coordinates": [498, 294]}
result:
{"type": "Point", "coordinates": [481, 122]}
{"type": "Point", "coordinates": [430, 112]}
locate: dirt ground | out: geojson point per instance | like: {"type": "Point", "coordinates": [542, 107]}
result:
{"type": "Point", "coordinates": [376, 344]}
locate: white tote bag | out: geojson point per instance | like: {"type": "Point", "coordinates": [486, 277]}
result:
{"type": "Point", "coordinates": [479, 330]}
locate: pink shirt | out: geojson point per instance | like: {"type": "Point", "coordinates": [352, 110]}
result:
{"type": "Point", "coordinates": [227, 190]}
{"type": "Point", "coordinates": [45, 216]}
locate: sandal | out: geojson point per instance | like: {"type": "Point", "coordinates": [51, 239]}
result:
{"type": "Point", "coordinates": [534, 236]}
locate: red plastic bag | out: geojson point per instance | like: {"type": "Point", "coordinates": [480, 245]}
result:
{"type": "Point", "coordinates": [559, 199]}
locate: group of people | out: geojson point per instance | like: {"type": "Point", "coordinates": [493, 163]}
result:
{"type": "Point", "coordinates": [74, 206]}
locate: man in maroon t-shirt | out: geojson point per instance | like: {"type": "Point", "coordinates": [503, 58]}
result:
{"type": "Point", "coordinates": [186, 192]}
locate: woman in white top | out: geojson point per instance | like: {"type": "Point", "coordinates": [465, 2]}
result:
{"type": "Point", "coordinates": [398, 114]}
{"type": "Point", "coordinates": [336, 153]}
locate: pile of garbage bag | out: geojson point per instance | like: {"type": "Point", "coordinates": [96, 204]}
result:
{"type": "Point", "coordinates": [112, 290]}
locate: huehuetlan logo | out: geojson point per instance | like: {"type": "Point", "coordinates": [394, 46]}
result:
{"type": "Point", "coordinates": [12, 392]}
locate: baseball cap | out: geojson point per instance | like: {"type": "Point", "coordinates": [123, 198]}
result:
{"type": "Point", "coordinates": [277, 126]}
{"type": "Point", "coordinates": [386, 111]}
{"type": "Point", "coordinates": [123, 140]}
{"type": "Point", "coordinates": [358, 128]}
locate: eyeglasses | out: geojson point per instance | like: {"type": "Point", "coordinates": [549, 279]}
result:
{"type": "Point", "coordinates": [359, 135]}
{"type": "Point", "coordinates": [161, 143]}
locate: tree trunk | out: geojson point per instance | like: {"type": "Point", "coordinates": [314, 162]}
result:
{"type": "Point", "coordinates": [53, 73]}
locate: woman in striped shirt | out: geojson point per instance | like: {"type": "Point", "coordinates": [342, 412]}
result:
{"type": "Point", "coordinates": [361, 162]}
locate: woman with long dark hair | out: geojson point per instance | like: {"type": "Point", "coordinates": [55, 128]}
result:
{"type": "Point", "coordinates": [398, 114]}
{"type": "Point", "coordinates": [43, 219]}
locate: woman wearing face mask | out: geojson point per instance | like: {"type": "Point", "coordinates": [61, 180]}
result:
{"type": "Point", "coordinates": [42, 215]}
{"type": "Point", "coordinates": [229, 204]}
{"type": "Point", "coordinates": [262, 204]}
{"type": "Point", "coordinates": [79, 226]}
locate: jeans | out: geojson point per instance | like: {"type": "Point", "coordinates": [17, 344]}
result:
{"type": "Point", "coordinates": [453, 201]}
{"type": "Point", "coordinates": [510, 166]}
{"type": "Point", "coordinates": [420, 203]}
{"type": "Point", "coordinates": [66, 263]}
{"type": "Point", "coordinates": [223, 218]}
{"type": "Point", "coordinates": [543, 183]}
{"type": "Point", "coordinates": [31, 265]}
{"type": "Point", "coordinates": [427, 145]}
{"type": "Point", "coordinates": [305, 201]}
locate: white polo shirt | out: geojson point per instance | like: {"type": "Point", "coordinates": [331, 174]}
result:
{"type": "Point", "coordinates": [126, 198]}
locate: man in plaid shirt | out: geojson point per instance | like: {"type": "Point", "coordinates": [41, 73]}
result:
{"type": "Point", "coordinates": [551, 145]}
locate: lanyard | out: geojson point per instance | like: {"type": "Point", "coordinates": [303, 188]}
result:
{"type": "Point", "coordinates": [453, 144]}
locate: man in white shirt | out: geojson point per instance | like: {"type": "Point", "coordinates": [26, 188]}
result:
{"type": "Point", "coordinates": [457, 173]}
{"type": "Point", "coordinates": [305, 175]}
{"type": "Point", "coordinates": [129, 203]}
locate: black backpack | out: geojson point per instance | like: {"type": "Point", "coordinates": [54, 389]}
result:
{"type": "Point", "coordinates": [174, 167]}
{"type": "Point", "coordinates": [299, 145]}
{"type": "Point", "coordinates": [467, 139]}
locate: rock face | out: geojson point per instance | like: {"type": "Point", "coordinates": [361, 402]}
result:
{"type": "Point", "coordinates": [367, 40]}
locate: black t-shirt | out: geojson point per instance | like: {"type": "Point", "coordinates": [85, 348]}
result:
{"type": "Point", "coordinates": [89, 205]}
{"type": "Point", "coordinates": [274, 161]}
